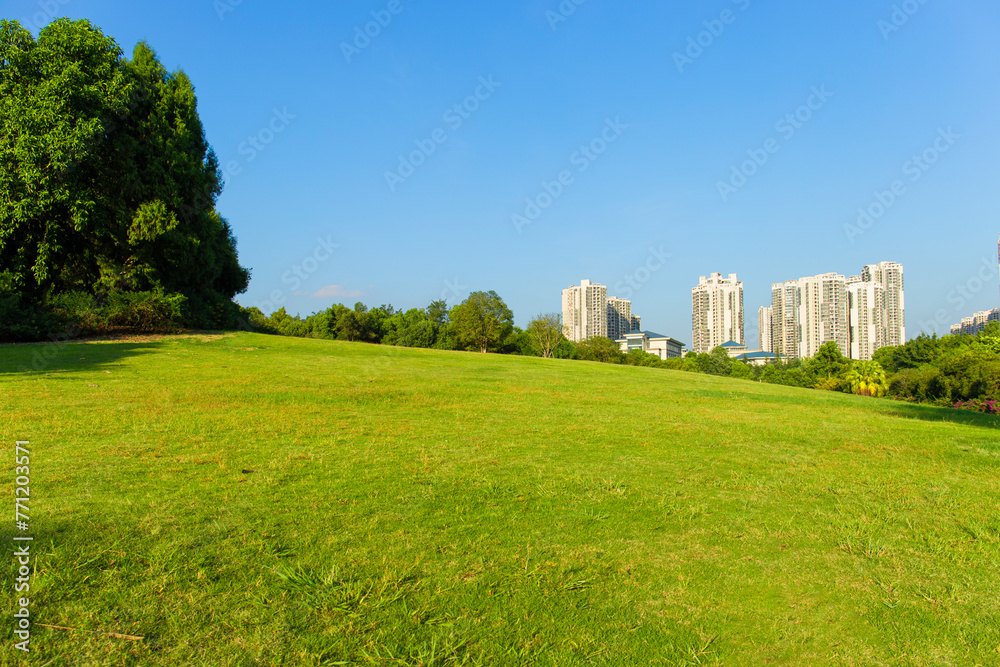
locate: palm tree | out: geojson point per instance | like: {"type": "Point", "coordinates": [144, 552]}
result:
{"type": "Point", "coordinates": [867, 379]}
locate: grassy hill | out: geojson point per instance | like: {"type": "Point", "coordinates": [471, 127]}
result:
{"type": "Point", "coordinates": [253, 500]}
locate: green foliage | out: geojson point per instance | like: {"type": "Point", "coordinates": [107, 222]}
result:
{"type": "Point", "coordinates": [546, 332]}
{"type": "Point", "coordinates": [137, 312]}
{"type": "Point", "coordinates": [741, 370]}
{"type": "Point", "coordinates": [483, 321]}
{"type": "Point", "coordinates": [866, 378]}
{"type": "Point", "coordinates": [566, 349]}
{"type": "Point", "coordinates": [947, 370]}
{"type": "Point", "coordinates": [640, 358]}
{"type": "Point", "coordinates": [109, 183]}
{"type": "Point", "coordinates": [600, 348]}
{"type": "Point", "coordinates": [414, 328]}
{"type": "Point", "coordinates": [717, 362]}
{"type": "Point", "coordinates": [834, 384]}
{"type": "Point", "coordinates": [829, 363]}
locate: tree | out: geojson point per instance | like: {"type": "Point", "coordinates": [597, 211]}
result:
{"type": "Point", "coordinates": [828, 363]}
{"type": "Point", "coordinates": [109, 183]}
{"type": "Point", "coordinates": [867, 379]}
{"type": "Point", "coordinates": [410, 329]}
{"type": "Point", "coordinates": [600, 348]}
{"type": "Point", "coordinates": [437, 312]}
{"type": "Point", "coordinates": [482, 321]}
{"type": "Point", "coordinates": [546, 332]}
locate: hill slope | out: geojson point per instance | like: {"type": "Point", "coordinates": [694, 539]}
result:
{"type": "Point", "coordinates": [246, 499]}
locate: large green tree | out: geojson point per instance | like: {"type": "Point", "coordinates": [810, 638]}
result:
{"type": "Point", "coordinates": [107, 182]}
{"type": "Point", "coordinates": [482, 321]}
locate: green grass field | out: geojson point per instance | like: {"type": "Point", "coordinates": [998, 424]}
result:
{"type": "Point", "coordinates": [253, 500]}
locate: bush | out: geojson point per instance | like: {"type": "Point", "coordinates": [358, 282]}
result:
{"type": "Point", "coordinates": [22, 322]}
{"type": "Point", "coordinates": [142, 311]}
{"type": "Point", "coordinates": [989, 405]}
{"type": "Point", "coordinates": [834, 384]}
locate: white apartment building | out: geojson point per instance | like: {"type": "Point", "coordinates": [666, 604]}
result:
{"type": "Point", "coordinates": [619, 317]}
{"type": "Point", "coordinates": [824, 313]}
{"type": "Point", "coordinates": [808, 312]}
{"type": "Point", "coordinates": [970, 326]}
{"type": "Point", "coordinates": [866, 302]}
{"type": "Point", "coordinates": [860, 313]}
{"type": "Point", "coordinates": [890, 276]}
{"type": "Point", "coordinates": [585, 311]}
{"type": "Point", "coordinates": [764, 329]}
{"type": "Point", "coordinates": [786, 330]}
{"type": "Point", "coordinates": [716, 312]}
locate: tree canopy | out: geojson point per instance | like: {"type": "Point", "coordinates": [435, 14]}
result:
{"type": "Point", "coordinates": [482, 321]}
{"type": "Point", "coordinates": [107, 182]}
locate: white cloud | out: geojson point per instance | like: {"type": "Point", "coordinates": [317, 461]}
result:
{"type": "Point", "coordinates": [337, 291]}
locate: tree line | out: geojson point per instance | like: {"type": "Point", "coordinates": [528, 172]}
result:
{"type": "Point", "coordinates": [955, 370]}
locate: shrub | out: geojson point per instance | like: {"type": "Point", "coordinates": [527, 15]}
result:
{"type": "Point", "coordinates": [834, 384]}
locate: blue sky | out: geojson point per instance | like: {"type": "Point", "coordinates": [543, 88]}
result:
{"type": "Point", "coordinates": [663, 120]}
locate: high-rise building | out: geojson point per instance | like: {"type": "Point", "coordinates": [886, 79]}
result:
{"type": "Point", "coordinates": [972, 325]}
{"type": "Point", "coordinates": [808, 312]}
{"type": "Point", "coordinates": [868, 329]}
{"type": "Point", "coordinates": [716, 312]}
{"type": "Point", "coordinates": [786, 329]}
{"type": "Point", "coordinates": [585, 311]}
{"type": "Point", "coordinates": [636, 323]}
{"type": "Point", "coordinates": [823, 313]}
{"type": "Point", "coordinates": [619, 317]}
{"type": "Point", "coordinates": [764, 328]}
{"type": "Point", "coordinates": [890, 276]}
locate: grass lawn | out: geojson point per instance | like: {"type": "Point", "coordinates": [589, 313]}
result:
{"type": "Point", "coordinates": [253, 500]}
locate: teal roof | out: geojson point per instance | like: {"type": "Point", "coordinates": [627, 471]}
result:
{"type": "Point", "coordinates": [758, 355]}
{"type": "Point", "coordinates": [732, 343]}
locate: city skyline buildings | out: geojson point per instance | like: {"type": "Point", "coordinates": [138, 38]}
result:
{"type": "Point", "coordinates": [860, 313]}
{"type": "Point", "coordinates": [588, 312]}
{"type": "Point", "coordinates": [585, 311]}
{"type": "Point", "coordinates": [619, 317]}
{"type": "Point", "coordinates": [764, 316]}
{"type": "Point", "coordinates": [716, 312]}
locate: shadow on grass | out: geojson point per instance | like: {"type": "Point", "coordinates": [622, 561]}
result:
{"type": "Point", "coordinates": [933, 413]}
{"type": "Point", "coordinates": [65, 357]}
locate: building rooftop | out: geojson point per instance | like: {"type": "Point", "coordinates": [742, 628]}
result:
{"type": "Point", "coordinates": [653, 335]}
{"type": "Point", "coordinates": [758, 355]}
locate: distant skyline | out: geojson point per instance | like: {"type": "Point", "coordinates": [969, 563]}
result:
{"type": "Point", "coordinates": [522, 147]}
